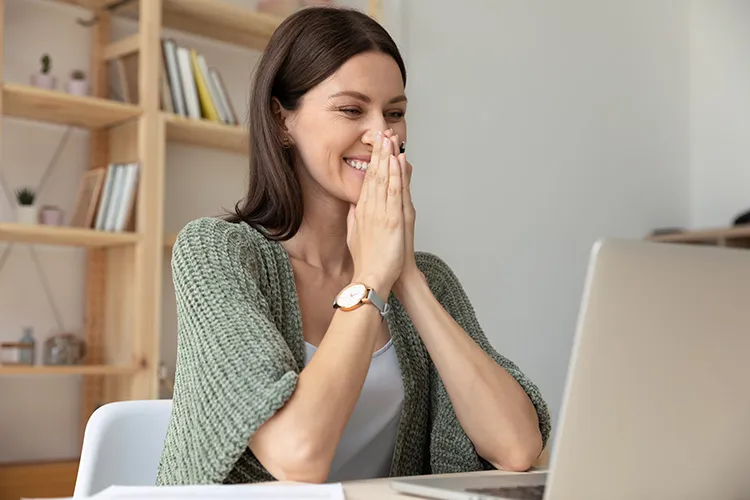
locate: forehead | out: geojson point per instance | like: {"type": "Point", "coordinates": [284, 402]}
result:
{"type": "Point", "coordinates": [372, 73]}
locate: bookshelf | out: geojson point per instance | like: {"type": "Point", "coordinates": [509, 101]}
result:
{"type": "Point", "coordinates": [206, 134]}
{"type": "Point", "coordinates": [123, 271]}
{"type": "Point", "coordinates": [21, 101]}
{"type": "Point", "coordinates": [64, 236]}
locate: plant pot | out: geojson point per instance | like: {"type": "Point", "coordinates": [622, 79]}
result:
{"type": "Point", "coordinates": [44, 81]}
{"type": "Point", "coordinates": [78, 87]}
{"type": "Point", "coordinates": [52, 216]}
{"type": "Point", "coordinates": [27, 214]}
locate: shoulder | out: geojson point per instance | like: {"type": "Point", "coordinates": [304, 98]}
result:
{"type": "Point", "coordinates": [212, 232]}
{"type": "Point", "coordinates": [210, 241]}
{"type": "Point", "coordinates": [439, 275]}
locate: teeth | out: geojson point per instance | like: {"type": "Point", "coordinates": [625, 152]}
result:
{"type": "Point", "coordinates": [359, 165]}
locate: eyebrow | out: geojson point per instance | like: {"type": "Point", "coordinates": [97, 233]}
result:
{"type": "Point", "coordinates": [360, 96]}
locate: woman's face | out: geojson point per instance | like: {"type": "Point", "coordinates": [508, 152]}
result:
{"type": "Point", "coordinates": [334, 128]}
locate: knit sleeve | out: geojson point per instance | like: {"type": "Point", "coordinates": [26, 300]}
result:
{"type": "Point", "coordinates": [234, 370]}
{"type": "Point", "coordinates": [444, 440]}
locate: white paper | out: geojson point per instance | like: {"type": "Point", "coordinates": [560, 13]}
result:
{"type": "Point", "coordinates": [219, 492]}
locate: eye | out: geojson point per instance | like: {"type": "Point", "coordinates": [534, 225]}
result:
{"type": "Point", "coordinates": [395, 115]}
{"type": "Point", "coordinates": [351, 111]}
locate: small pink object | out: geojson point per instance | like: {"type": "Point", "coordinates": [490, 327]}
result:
{"type": "Point", "coordinates": [52, 216]}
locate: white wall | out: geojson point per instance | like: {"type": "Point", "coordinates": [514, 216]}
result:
{"type": "Point", "coordinates": [720, 111]}
{"type": "Point", "coordinates": [534, 129]}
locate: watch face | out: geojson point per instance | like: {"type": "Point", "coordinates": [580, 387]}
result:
{"type": "Point", "coordinates": [351, 295]}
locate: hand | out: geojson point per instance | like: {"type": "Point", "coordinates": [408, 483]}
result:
{"type": "Point", "coordinates": [409, 270]}
{"type": "Point", "coordinates": [375, 225]}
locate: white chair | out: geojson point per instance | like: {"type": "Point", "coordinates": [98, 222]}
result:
{"type": "Point", "coordinates": [122, 445]}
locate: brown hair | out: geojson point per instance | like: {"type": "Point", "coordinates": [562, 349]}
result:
{"type": "Point", "coordinates": [306, 48]}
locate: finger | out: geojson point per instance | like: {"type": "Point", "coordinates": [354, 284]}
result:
{"type": "Point", "coordinates": [381, 177]}
{"type": "Point", "coordinates": [395, 141]}
{"type": "Point", "coordinates": [409, 214]}
{"type": "Point", "coordinates": [394, 204]}
{"type": "Point", "coordinates": [406, 169]}
{"type": "Point", "coordinates": [350, 222]}
{"type": "Point", "coordinates": [377, 145]}
{"type": "Point", "coordinates": [370, 184]}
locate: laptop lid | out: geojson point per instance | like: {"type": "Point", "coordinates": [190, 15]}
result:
{"type": "Point", "coordinates": [657, 398]}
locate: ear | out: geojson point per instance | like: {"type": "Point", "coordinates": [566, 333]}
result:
{"type": "Point", "coordinates": [281, 114]}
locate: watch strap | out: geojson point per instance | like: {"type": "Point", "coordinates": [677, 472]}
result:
{"type": "Point", "coordinates": [378, 302]}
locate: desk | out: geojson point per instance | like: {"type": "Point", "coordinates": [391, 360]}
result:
{"type": "Point", "coordinates": [380, 489]}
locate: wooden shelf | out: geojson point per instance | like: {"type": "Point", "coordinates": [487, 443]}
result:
{"type": "Point", "coordinates": [87, 4]}
{"type": "Point", "coordinates": [220, 21]}
{"type": "Point", "coordinates": [23, 101]}
{"type": "Point", "coordinates": [65, 236]}
{"type": "Point", "coordinates": [213, 19]}
{"type": "Point", "coordinates": [66, 370]}
{"type": "Point", "coordinates": [705, 235]}
{"type": "Point", "coordinates": [205, 133]}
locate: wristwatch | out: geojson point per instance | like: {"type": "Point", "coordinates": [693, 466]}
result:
{"type": "Point", "coordinates": [356, 294]}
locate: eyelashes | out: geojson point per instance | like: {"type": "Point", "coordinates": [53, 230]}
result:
{"type": "Point", "coordinates": [402, 148]}
{"type": "Point", "coordinates": [355, 112]}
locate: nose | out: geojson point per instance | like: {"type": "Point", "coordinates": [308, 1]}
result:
{"type": "Point", "coordinates": [370, 136]}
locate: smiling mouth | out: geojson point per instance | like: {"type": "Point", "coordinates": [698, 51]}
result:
{"type": "Point", "coordinates": [359, 165]}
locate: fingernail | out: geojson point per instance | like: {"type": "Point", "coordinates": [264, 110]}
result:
{"type": "Point", "coordinates": [386, 141]}
{"type": "Point", "coordinates": [380, 134]}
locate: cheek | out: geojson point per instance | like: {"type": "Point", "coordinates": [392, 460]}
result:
{"type": "Point", "coordinates": [324, 146]}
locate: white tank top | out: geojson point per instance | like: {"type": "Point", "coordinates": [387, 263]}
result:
{"type": "Point", "coordinates": [366, 447]}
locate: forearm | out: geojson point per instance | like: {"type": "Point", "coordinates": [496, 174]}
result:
{"type": "Point", "coordinates": [491, 406]}
{"type": "Point", "coordinates": [300, 440]}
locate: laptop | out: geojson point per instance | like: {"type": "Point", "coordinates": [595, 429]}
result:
{"type": "Point", "coordinates": [657, 397]}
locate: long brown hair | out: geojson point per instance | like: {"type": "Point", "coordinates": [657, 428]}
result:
{"type": "Point", "coordinates": [305, 49]}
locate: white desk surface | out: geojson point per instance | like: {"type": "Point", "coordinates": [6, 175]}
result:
{"type": "Point", "coordinates": [380, 489]}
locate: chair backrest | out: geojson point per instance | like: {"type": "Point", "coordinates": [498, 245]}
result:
{"type": "Point", "coordinates": [122, 445]}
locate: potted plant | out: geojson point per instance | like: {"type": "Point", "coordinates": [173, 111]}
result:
{"type": "Point", "coordinates": [44, 79]}
{"type": "Point", "coordinates": [26, 209]}
{"type": "Point", "coordinates": [77, 84]}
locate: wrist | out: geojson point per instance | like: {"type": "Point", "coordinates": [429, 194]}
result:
{"type": "Point", "coordinates": [410, 283]}
{"type": "Point", "coordinates": [382, 287]}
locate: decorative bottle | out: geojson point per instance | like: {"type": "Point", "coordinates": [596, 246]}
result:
{"type": "Point", "coordinates": [26, 356]}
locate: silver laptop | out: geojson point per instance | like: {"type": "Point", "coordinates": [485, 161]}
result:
{"type": "Point", "coordinates": [657, 398]}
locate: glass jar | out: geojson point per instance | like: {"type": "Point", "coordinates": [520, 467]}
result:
{"type": "Point", "coordinates": [64, 349]}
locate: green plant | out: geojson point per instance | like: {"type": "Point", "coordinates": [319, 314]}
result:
{"type": "Point", "coordinates": [78, 75]}
{"type": "Point", "coordinates": [25, 196]}
{"type": "Point", "coordinates": [46, 63]}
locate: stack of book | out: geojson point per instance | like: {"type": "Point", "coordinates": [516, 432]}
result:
{"type": "Point", "coordinates": [106, 198]}
{"type": "Point", "coordinates": [190, 88]}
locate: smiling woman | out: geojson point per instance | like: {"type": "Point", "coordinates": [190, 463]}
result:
{"type": "Point", "coordinates": [328, 78]}
{"type": "Point", "coordinates": [315, 344]}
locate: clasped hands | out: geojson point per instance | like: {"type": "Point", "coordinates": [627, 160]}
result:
{"type": "Point", "coordinates": [381, 224]}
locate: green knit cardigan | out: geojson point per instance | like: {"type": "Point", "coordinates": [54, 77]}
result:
{"type": "Point", "coordinates": [240, 351]}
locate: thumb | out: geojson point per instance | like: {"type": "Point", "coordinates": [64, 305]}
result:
{"type": "Point", "coordinates": [351, 222]}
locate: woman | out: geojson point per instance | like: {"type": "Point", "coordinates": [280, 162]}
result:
{"type": "Point", "coordinates": [397, 377]}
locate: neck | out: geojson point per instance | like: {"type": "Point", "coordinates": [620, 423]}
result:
{"type": "Point", "coordinates": [321, 239]}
